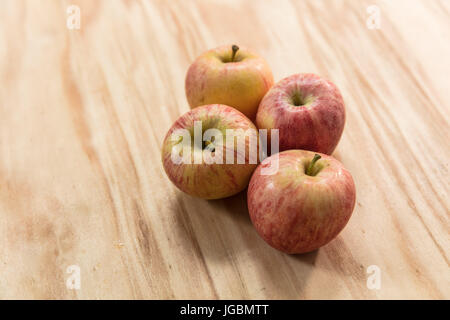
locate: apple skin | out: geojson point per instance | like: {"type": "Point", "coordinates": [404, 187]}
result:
{"type": "Point", "coordinates": [317, 125]}
{"type": "Point", "coordinates": [297, 213]}
{"type": "Point", "coordinates": [210, 181]}
{"type": "Point", "coordinates": [212, 78]}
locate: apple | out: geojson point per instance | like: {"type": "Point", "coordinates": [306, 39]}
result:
{"type": "Point", "coordinates": [304, 204]}
{"type": "Point", "coordinates": [229, 75]}
{"type": "Point", "coordinates": [308, 111]}
{"type": "Point", "coordinates": [210, 152]}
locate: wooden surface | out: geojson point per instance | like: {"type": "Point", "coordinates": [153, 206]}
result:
{"type": "Point", "coordinates": [83, 114]}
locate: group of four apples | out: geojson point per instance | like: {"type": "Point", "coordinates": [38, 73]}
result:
{"type": "Point", "coordinates": [308, 199]}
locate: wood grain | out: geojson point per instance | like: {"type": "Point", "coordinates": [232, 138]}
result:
{"type": "Point", "coordinates": [83, 114]}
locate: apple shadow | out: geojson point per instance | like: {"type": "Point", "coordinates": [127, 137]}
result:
{"type": "Point", "coordinates": [236, 207]}
{"type": "Point", "coordinates": [208, 226]}
{"type": "Point", "coordinates": [221, 232]}
{"type": "Point", "coordinates": [308, 258]}
{"type": "Point", "coordinates": [286, 274]}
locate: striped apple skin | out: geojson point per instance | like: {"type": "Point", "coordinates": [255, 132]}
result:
{"type": "Point", "coordinates": [241, 84]}
{"type": "Point", "coordinates": [317, 126]}
{"type": "Point", "coordinates": [210, 181]}
{"type": "Point", "coordinates": [297, 213]}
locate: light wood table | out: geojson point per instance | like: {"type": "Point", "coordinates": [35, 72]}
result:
{"type": "Point", "coordinates": [83, 113]}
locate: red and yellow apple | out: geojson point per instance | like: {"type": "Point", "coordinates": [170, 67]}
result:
{"type": "Point", "coordinates": [210, 152]}
{"type": "Point", "coordinates": [308, 111]}
{"type": "Point", "coordinates": [229, 75]}
{"type": "Point", "coordinates": [304, 204]}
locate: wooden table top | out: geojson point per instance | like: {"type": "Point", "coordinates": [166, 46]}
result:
{"type": "Point", "coordinates": [83, 113]}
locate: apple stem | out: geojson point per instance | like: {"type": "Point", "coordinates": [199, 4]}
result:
{"type": "Point", "coordinates": [234, 48]}
{"type": "Point", "coordinates": [309, 170]}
